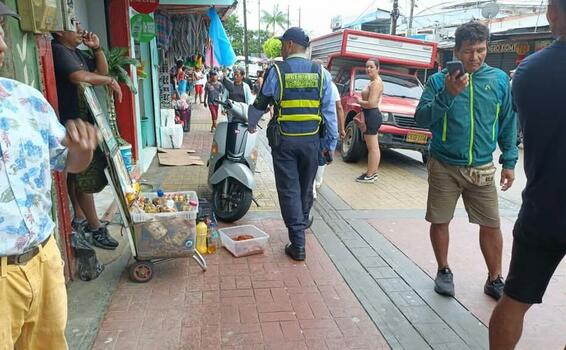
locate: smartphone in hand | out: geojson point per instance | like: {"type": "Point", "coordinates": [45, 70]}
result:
{"type": "Point", "coordinates": [454, 66]}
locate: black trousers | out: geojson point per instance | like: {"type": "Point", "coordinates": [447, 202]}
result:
{"type": "Point", "coordinates": [295, 165]}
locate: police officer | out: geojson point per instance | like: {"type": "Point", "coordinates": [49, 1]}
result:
{"type": "Point", "coordinates": [301, 92]}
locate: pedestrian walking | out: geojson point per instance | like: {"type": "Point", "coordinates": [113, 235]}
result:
{"type": "Point", "coordinates": [305, 116]}
{"type": "Point", "coordinates": [539, 237]}
{"type": "Point", "coordinates": [213, 92]}
{"type": "Point", "coordinates": [72, 68]}
{"type": "Point", "coordinates": [191, 79]}
{"type": "Point", "coordinates": [258, 83]}
{"type": "Point", "coordinates": [173, 72]}
{"type": "Point", "coordinates": [319, 178]}
{"type": "Point", "coordinates": [182, 81]}
{"type": "Point", "coordinates": [238, 90]}
{"type": "Point", "coordinates": [33, 297]}
{"type": "Point", "coordinates": [371, 97]}
{"type": "Point", "coordinates": [468, 113]}
{"type": "Point", "coordinates": [200, 82]}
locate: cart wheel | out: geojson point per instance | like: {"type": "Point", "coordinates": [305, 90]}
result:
{"type": "Point", "coordinates": [141, 271]}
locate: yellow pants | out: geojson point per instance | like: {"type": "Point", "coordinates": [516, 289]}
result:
{"type": "Point", "coordinates": [33, 302]}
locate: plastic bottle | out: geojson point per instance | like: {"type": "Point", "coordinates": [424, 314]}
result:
{"type": "Point", "coordinates": [202, 232]}
{"type": "Point", "coordinates": [213, 238]}
{"type": "Point", "coordinates": [161, 196]}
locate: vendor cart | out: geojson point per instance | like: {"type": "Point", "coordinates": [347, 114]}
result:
{"type": "Point", "coordinates": [168, 230]}
{"type": "Point", "coordinates": [158, 237]}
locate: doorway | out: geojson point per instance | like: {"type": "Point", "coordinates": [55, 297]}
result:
{"type": "Point", "coordinates": [145, 97]}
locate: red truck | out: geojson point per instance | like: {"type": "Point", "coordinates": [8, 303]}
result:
{"type": "Point", "coordinates": [345, 54]}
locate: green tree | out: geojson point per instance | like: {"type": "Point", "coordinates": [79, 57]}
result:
{"type": "Point", "coordinates": [276, 18]}
{"type": "Point", "coordinates": [235, 32]}
{"type": "Point", "coordinates": [256, 40]}
{"type": "Point", "coordinates": [272, 48]}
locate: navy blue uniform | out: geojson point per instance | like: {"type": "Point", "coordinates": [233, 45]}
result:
{"type": "Point", "coordinates": [295, 160]}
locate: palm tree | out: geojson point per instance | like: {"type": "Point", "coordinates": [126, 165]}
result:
{"type": "Point", "coordinates": [276, 18]}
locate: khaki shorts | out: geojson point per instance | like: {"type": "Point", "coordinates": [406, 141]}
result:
{"type": "Point", "coordinates": [446, 184]}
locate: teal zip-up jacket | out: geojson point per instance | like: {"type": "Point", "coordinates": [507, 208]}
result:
{"type": "Point", "coordinates": [466, 128]}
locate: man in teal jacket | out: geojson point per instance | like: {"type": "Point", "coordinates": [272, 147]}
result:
{"type": "Point", "coordinates": [468, 115]}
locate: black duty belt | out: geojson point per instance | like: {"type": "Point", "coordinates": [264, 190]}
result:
{"type": "Point", "coordinates": [26, 256]}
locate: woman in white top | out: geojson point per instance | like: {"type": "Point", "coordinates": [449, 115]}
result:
{"type": "Point", "coordinates": [199, 85]}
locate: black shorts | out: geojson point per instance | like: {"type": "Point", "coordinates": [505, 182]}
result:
{"type": "Point", "coordinates": [373, 120]}
{"type": "Point", "coordinates": [532, 267]}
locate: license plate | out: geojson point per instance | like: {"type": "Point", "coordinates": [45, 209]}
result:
{"type": "Point", "coordinates": [417, 138]}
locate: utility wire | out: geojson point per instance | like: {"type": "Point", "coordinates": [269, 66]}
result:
{"type": "Point", "coordinates": [364, 12]}
{"type": "Point", "coordinates": [538, 17]}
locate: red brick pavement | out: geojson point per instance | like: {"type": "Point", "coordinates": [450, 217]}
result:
{"type": "Point", "coordinates": [259, 302]}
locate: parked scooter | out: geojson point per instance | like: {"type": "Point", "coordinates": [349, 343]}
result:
{"type": "Point", "coordinates": [232, 164]}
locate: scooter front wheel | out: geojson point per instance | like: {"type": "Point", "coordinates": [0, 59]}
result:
{"type": "Point", "coordinates": [231, 200]}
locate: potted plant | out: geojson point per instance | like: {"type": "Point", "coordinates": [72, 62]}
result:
{"type": "Point", "coordinates": [119, 63]}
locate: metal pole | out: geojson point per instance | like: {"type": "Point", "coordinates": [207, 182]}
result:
{"type": "Point", "coordinates": [246, 37]}
{"type": "Point", "coordinates": [288, 17]}
{"type": "Point", "coordinates": [410, 28]}
{"type": "Point", "coordinates": [394, 17]}
{"type": "Point", "coordinates": [299, 16]}
{"type": "Point", "coordinates": [259, 26]}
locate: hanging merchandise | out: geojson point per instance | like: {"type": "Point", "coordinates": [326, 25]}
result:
{"type": "Point", "coordinates": [164, 27]}
{"type": "Point", "coordinates": [144, 6]}
{"type": "Point", "coordinates": [188, 36]}
{"type": "Point", "coordinates": [143, 28]}
{"type": "Point", "coordinates": [223, 50]}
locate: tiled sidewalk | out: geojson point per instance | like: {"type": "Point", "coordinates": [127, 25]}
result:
{"type": "Point", "coordinates": [259, 302]}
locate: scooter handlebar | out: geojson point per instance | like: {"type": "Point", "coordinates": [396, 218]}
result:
{"type": "Point", "coordinates": [226, 104]}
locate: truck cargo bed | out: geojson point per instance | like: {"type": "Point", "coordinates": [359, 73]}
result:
{"type": "Point", "coordinates": [361, 45]}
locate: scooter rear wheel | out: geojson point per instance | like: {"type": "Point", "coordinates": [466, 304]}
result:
{"type": "Point", "coordinates": [231, 200]}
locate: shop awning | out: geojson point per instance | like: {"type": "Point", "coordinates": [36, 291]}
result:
{"type": "Point", "coordinates": [180, 7]}
{"type": "Point", "coordinates": [199, 2]}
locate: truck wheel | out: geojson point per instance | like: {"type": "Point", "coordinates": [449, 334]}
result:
{"type": "Point", "coordinates": [353, 147]}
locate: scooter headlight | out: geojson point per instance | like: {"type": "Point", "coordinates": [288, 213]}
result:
{"type": "Point", "coordinates": [214, 148]}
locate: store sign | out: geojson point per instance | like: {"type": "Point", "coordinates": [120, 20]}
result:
{"type": "Point", "coordinates": [144, 6]}
{"type": "Point", "coordinates": [508, 47]}
{"type": "Point", "coordinates": [143, 28]}
{"type": "Point", "coordinates": [502, 47]}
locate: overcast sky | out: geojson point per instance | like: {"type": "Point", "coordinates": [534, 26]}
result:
{"type": "Point", "coordinates": [316, 14]}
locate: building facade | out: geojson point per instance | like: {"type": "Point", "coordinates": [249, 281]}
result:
{"type": "Point", "coordinates": [138, 115]}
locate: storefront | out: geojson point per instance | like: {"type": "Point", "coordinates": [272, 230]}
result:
{"type": "Point", "coordinates": [30, 60]}
{"type": "Point", "coordinates": [506, 51]}
{"type": "Point", "coordinates": [140, 118]}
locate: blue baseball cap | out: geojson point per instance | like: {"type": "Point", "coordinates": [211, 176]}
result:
{"type": "Point", "coordinates": [296, 35]}
{"type": "Point", "coordinates": [6, 11]}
